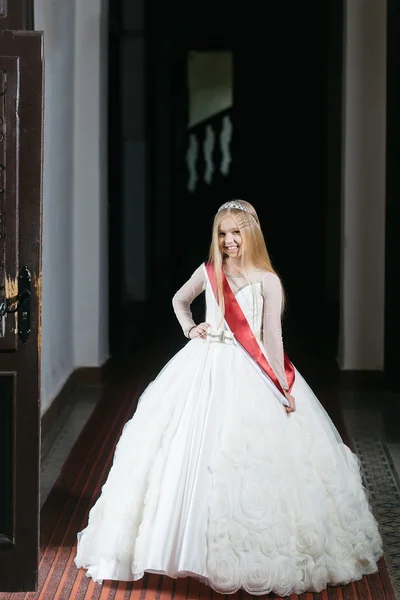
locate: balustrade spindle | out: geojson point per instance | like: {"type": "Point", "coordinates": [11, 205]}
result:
{"type": "Point", "coordinates": [207, 156]}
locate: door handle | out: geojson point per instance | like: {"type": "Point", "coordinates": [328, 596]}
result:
{"type": "Point", "coordinates": [20, 303]}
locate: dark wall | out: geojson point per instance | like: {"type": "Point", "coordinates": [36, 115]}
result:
{"type": "Point", "coordinates": [115, 175]}
{"type": "Point", "coordinates": [392, 313]}
{"type": "Point", "coordinates": [205, 16]}
{"type": "Point", "coordinates": [333, 186]}
{"type": "Point", "coordinates": [281, 138]}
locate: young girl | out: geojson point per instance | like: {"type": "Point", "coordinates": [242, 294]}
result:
{"type": "Point", "coordinates": [230, 470]}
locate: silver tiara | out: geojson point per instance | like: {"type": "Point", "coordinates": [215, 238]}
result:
{"type": "Point", "coordinates": [234, 204]}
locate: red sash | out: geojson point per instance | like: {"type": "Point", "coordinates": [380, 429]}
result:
{"type": "Point", "coordinates": [241, 329]}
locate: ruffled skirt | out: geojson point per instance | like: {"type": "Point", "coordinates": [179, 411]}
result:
{"type": "Point", "coordinates": [212, 479]}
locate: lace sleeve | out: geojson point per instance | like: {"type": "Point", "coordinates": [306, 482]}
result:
{"type": "Point", "coordinates": [184, 297]}
{"type": "Point", "coordinates": [272, 326]}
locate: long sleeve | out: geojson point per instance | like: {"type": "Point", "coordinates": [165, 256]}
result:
{"type": "Point", "coordinates": [184, 297]}
{"type": "Point", "coordinates": [272, 326]}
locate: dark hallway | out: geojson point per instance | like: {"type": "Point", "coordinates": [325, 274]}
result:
{"type": "Point", "coordinates": [284, 151]}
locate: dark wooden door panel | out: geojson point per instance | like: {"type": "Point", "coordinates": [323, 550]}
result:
{"type": "Point", "coordinates": [9, 137]}
{"type": "Point", "coordinates": [16, 14]}
{"type": "Point", "coordinates": [21, 141]}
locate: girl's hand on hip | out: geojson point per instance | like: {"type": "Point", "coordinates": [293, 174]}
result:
{"type": "Point", "coordinates": [199, 331]}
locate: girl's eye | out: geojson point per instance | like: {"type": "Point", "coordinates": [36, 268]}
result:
{"type": "Point", "coordinates": [221, 234]}
{"type": "Point", "coordinates": [236, 232]}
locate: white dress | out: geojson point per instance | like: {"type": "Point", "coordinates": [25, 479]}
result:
{"type": "Point", "coordinates": [212, 478]}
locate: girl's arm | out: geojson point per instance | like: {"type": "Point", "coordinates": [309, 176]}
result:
{"type": "Point", "coordinates": [272, 326]}
{"type": "Point", "coordinates": [184, 297]}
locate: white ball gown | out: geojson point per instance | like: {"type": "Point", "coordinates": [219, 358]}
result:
{"type": "Point", "coordinates": [211, 478]}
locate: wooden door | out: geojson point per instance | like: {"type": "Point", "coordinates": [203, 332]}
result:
{"type": "Point", "coordinates": [21, 140]}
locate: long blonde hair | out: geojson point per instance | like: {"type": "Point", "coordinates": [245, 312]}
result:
{"type": "Point", "coordinates": [254, 253]}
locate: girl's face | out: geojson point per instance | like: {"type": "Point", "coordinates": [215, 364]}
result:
{"type": "Point", "coordinates": [230, 240]}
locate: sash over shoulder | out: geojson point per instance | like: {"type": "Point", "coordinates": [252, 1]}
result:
{"type": "Point", "coordinates": [241, 329]}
